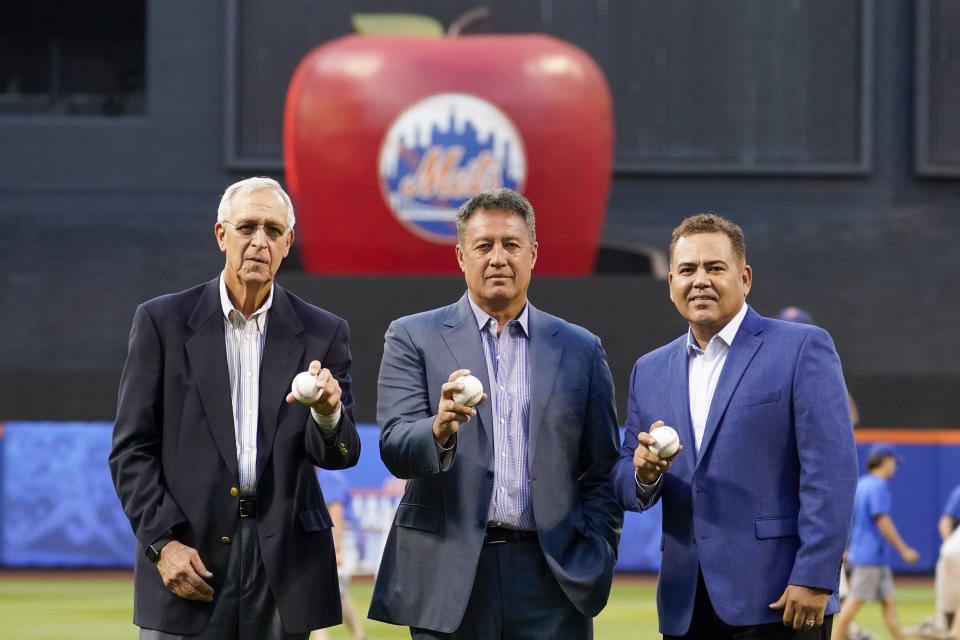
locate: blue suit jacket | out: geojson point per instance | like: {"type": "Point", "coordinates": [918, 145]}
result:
{"type": "Point", "coordinates": [769, 499]}
{"type": "Point", "coordinates": [174, 456]}
{"type": "Point", "coordinates": [431, 555]}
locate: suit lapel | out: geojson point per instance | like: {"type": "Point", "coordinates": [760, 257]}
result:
{"type": "Point", "coordinates": [282, 355]}
{"type": "Point", "coordinates": [544, 365]}
{"type": "Point", "coordinates": [679, 379]}
{"type": "Point", "coordinates": [207, 360]}
{"type": "Point", "coordinates": [744, 347]}
{"type": "Point", "coordinates": [462, 337]}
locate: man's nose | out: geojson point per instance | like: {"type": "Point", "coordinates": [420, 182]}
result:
{"type": "Point", "coordinates": [498, 255]}
{"type": "Point", "coordinates": [700, 278]}
{"type": "Point", "coordinates": [259, 237]}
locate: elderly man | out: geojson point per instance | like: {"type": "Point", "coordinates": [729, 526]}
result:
{"type": "Point", "coordinates": [507, 527]}
{"type": "Point", "coordinates": [757, 504]}
{"type": "Point", "coordinates": [213, 460]}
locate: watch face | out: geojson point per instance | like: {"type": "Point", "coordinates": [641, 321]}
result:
{"type": "Point", "coordinates": [152, 554]}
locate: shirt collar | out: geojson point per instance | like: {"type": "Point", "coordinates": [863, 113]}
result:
{"type": "Point", "coordinates": [260, 315]}
{"type": "Point", "coordinates": [727, 334]}
{"type": "Point", "coordinates": [483, 318]}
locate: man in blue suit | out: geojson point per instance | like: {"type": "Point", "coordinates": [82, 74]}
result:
{"type": "Point", "coordinates": [508, 527]}
{"type": "Point", "coordinates": [757, 504]}
{"type": "Point", "coordinates": [213, 460]}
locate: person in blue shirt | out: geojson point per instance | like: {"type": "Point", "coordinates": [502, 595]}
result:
{"type": "Point", "coordinates": [873, 532]}
{"type": "Point", "coordinates": [336, 493]}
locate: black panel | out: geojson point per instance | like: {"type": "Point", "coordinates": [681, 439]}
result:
{"type": "Point", "coordinates": [938, 88]}
{"type": "Point", "coordinates": [739, 86]}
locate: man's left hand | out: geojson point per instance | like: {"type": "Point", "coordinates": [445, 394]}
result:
{"type": "Point", "coordinates": [801, 605]}
{"type": "Point", "coordinates": [329, 398]}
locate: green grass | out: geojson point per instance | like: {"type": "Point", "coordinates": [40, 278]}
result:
{"type": "Point", "coordinates": [81, 607]}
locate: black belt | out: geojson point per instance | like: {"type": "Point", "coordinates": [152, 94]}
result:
{"type": "Point", "coordinates": [499, 535]}
{"type": "Point", "coordinates": [248, 507]}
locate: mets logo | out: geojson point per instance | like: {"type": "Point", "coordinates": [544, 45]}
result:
{"type": "Point", "coordinates": [441, 151]}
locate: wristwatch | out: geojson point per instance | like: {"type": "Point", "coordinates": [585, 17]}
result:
{"type": "Point", "coordinates": [153, 550]}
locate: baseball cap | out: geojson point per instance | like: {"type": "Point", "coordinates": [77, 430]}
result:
{"type": "Point", "coordinates": [795, 314]}
{"type": "Point", "coordinates": [882, 450]}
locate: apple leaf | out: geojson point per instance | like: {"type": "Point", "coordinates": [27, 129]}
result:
{"type": "Point", "coordinates": [397, 24]}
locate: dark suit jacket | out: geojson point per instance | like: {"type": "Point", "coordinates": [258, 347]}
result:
{"type": "Point", "coordinates": [431, 555]}
{"type": "Point", "coordinates": [174, 456]}
{"type": "Point", "coordinates": [769, 499]}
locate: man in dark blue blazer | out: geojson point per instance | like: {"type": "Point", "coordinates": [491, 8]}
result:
{"type": "Point", "coordinates": [757, 504]}
{"type": "Point", "coordinates": [213, 460]}
{"type": "Point", "coordinates": [507, 527]}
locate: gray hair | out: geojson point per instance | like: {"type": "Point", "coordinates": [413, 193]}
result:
{"type": "Point", "coordinates": [248, 186]}
{"type": "Point", "coordinates": [492, 200]}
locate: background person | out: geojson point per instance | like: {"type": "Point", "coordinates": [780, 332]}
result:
{"type": "Point", "coordinates": [873, 529]}
{"type": "Point", "coordinates": [336, 493]}
{"type": "Point", "coordinates": [507, 527]}
{"type": "Point", "coordinates": [757, 503]}
{"type": "Point", "coordinates": [214, 470]}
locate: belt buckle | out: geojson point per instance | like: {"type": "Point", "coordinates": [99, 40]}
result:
{"type": "Point", "coordinates": [244, 503]}
{"type": "Point", "coordinates": [487, 540]}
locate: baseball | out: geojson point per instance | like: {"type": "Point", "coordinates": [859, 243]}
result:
{"type": "Point", "coordinates": [472, 391]}
{"type": "Point", "coordinates": [667, 441]}
{"type": "Point", "coordinates": [305, 389]}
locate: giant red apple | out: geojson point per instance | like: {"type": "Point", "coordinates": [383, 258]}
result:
{"type": "Point", "coordinates": [385, 136]}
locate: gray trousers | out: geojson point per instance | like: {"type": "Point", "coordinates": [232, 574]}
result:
{"type": "Point", "coordinates": [245, 608]}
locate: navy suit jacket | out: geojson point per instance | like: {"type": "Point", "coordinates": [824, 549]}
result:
{"type": "Point", "coordinates": [769, 499]}
{"type": "Point", "coordinates": [174, 455]}
{"type": "Point", "coordinates": [433, 547]}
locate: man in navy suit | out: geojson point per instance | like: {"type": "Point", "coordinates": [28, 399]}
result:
{"type": "Point", "coordinates": [507, 527]}
{"type": "Point", "coordinates": [213, 468]}
{"type": "Point", "coordinates": [757, 504]}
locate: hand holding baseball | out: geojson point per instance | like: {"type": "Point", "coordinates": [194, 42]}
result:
{"type": "Point", "coordinates": [648, 465]}
{"type": "Point", "coordinates": [451, 411]}
{"type": "Point", "coordinates": [323, 395]}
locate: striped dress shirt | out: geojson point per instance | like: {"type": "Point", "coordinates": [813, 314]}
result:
{"type": "Point", "coordinates": [507, 357]}
{"type": "Point", "coordinates": [244, 342]}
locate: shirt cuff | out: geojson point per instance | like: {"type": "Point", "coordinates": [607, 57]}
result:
{"type": "Point", "coordinates": [644, 490]}
{"type": "Point", "coordinates": [327, 424]}
{"type": "Point", "coordinates": [445, 454]}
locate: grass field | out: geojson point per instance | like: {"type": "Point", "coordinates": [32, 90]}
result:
{"type": "Point", "coordinates": [99, 607]}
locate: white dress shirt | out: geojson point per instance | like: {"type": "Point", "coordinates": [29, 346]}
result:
{"type": "Point", "coordinates": [244, 343]}
{"type": "Point", "coordinates": [703, 369]}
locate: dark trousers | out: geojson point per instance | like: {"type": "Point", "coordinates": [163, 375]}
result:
{"type": "Point", "coordinates": [245, 608]}
{"type": "Point", "coordinates": [707, 625]}
{"type": "Point", "coordinates": [515, 597]}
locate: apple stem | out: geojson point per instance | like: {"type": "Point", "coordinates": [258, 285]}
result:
{"type": "Point", "coordinates": [467, 20]}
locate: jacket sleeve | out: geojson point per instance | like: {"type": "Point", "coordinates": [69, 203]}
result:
{"type": "Point", "coordinates": [599, 446]}
{"type": "Point", "coordinates": [341, 449]}
{"type": "Point", "coordinates": [624, 477]}
{"type": "Point", "coordinates": [828, 463]}
{"type": "Point", "coordinates": [138, 436]}
{"type": "Point", "coordinates": [404, 412]}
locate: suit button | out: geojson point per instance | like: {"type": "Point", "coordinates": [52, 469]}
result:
{"type": "Point", "coordinates": [225, 540]}
{"type": "Point", "coordinates": [342, 448]}
{"type": "Point", "coordinates": [234, 491]}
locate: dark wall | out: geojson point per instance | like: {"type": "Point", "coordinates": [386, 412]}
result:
{"type": "Point", "coordinates": [102, 213]}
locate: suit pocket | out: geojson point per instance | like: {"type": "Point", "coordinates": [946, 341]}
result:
{"type": "Point", "coordinates": [776, 527]}
{"type": "Point", "coordinates": [751, 399]}
{"type": "Point", "coordinates": [415, 516]}
{"type": "Point", "coordinates": [315, 520]}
